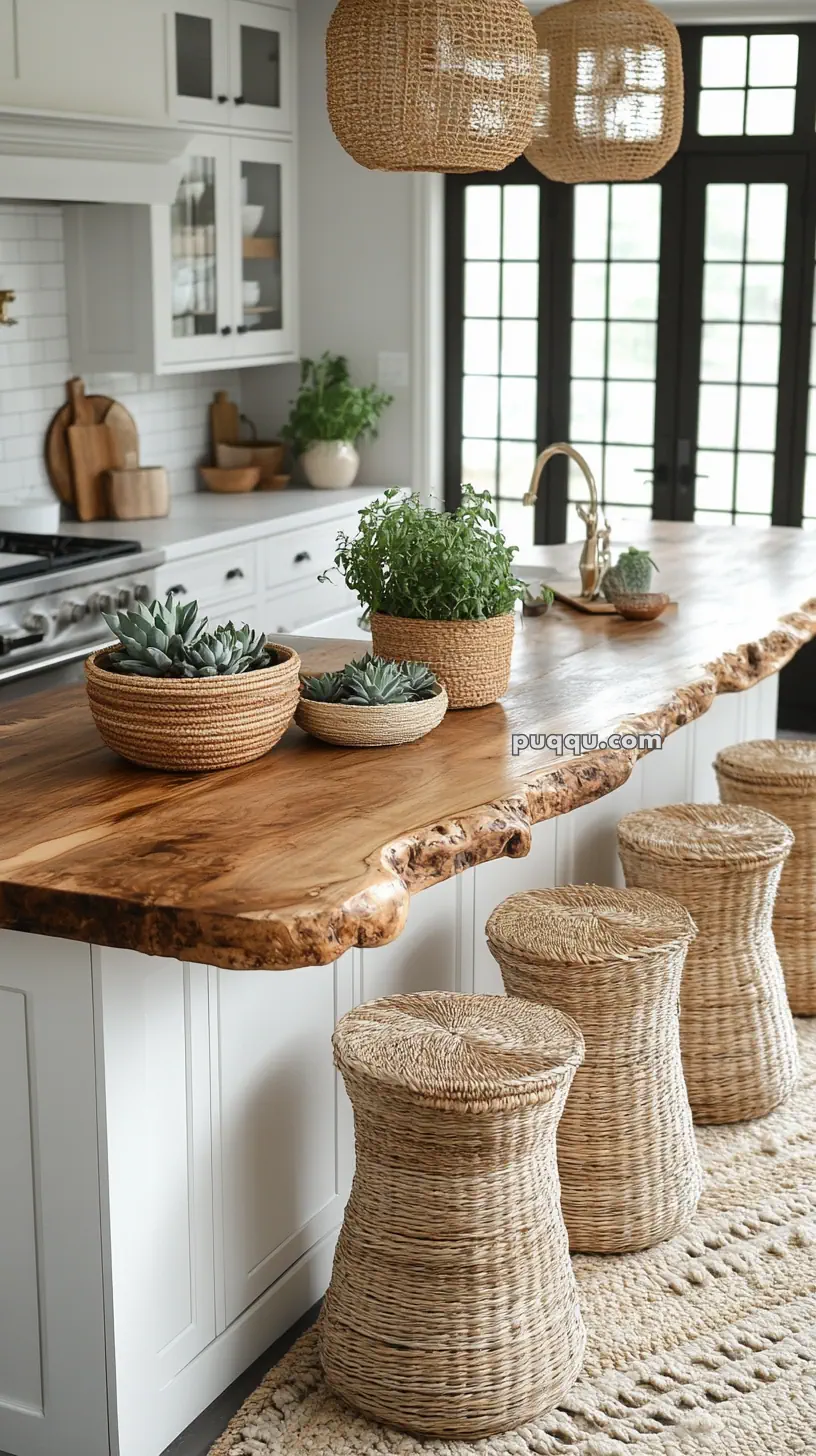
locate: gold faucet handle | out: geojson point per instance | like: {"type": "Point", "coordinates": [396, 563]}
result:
{"type": "Point", "coordinates": [530, 498]}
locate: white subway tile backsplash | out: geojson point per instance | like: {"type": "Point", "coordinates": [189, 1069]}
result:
{"type": "Point", "coordinates": [172, 413]}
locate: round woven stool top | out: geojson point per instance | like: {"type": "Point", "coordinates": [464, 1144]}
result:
{"type": "Point", "coordinates": [707, 833]}
{"type": "Point", "coordinates": [587, 925]}
{"type": "Point", "coordinates": [464, 1053]}
{"type": "Point", "coordinates": [772, 761]}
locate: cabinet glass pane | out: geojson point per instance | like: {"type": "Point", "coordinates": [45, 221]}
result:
{"type": "Point", "coordinates": [192, 240]}
{"type": "Point", "coordinates": [194, 56]}
{"type": "Point", "coordinates": [260, 67]}
{"type": "Point", "coordinates": [261, 278]}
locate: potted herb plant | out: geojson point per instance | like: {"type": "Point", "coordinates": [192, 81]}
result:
{"type": "Point", "coordinates": [439, 588]}
{"type": "Point", "coordinates": [372, 703]}
{"type": "Point", "coordinates": [328, 417]}
{"type": "Point", "coordinates": [175, 695]}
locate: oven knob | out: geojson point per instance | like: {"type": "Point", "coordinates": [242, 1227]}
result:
{"type": "Point", "coordinates": [78, 611]}
{"type": "Point", "coordinates": [100, 602]}
{"type": "Point", "coordinates": [125, 597]}
{"type": "Point", "coordinates": [36, 622]}
{"type": "Point", "coordinates": [142, 593]}
{"type": "Point", "coordinates": [70, 612]}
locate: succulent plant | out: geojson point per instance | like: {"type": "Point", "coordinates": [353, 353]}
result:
{"type": "Point", "coordinates": [170, 640]}
{"type": "Point", "coordinates": [631, 575]}
{"type": "Point", "coordinates": [371, 682]}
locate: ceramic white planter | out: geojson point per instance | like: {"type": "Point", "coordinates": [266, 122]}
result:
{"type": "Point", "coordinates": [331, 464]}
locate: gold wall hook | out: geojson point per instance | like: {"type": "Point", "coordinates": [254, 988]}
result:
{"type": "Point", "coordinates": [7, 297]}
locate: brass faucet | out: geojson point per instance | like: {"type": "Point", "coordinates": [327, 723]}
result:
{"type": "Point", "coordinates": [595, 555]}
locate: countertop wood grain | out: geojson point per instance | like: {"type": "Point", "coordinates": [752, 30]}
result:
{"type": "Point", "coordinates": [289, 861]}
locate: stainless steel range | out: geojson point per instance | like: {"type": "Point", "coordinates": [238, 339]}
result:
{"type": "Point", "coordinates": [53, 591]}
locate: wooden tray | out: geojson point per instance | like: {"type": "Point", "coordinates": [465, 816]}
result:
{"type": "Point", "coordinates": [57, 457]}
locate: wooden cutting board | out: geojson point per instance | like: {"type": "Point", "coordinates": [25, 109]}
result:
{"type": "Point", "coordinates": [57, 458]}
{"type": "Point", "coordinates": [123, 425]}
{"type": "Point", "coordinates": [93, 449]}
{"type": "Point", "coordinates": [225, 421]}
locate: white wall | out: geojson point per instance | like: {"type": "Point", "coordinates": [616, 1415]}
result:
{"type": "Point", "coordinates": [171, 413]}
{"type": "Point", "coordinates": [355, 266]}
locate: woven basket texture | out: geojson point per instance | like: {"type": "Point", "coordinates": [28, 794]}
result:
{"type": "Point", "coordinates": [736, 1030]}
{"type": "Point", "coordinates": [431, 85]}
{"type": "Point", "coordinates": [612, 959]}
{"type": "Point", "coordinates": [472, 659]}
{"type": "Point", "coordinates": [452, 1309]}
{"type": "Point", "coordinates": [610, 105]}
{"type": "Point", "coordinates": [192, 725]}
{"type": "Point", "coordinates": [378, 727]}
{"type": "Point", "coordinates": [779, 776]}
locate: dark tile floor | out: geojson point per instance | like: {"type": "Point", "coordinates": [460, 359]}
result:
{"type": "Point", "coordinates": [199, 1437]}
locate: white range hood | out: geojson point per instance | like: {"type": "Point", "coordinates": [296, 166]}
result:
{"type": "Point", "coordinates": [52, 158]}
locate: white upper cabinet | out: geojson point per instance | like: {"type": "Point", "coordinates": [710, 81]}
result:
{"type": "Point", "coordinates": [230, 64]}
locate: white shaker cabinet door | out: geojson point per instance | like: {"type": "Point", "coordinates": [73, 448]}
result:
{"type": "Point", "coordinates": [283, 1139]}
{"type": "Point", "coordinates": [53, 1394]}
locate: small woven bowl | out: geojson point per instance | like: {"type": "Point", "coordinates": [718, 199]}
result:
{"type": "Point", "coordinates": [193, 725]}
{"type": "Point", "coordinates": [381, 727]}
{"type": "Point", "coordinates": [641, 606]}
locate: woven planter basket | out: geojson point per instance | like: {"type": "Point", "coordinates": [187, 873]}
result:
{"type": "Point", "coordinates": [610, 105]}
{"type": "Point", "coordinates": [452, 1309]}
{"type": "Point", "coordinates": [779, 776]}
{"type": "Point", "coordinates": [472, 659]}
{"type": "Point", "coordinates": [191, 725]}
{"type": "Point", "coordinates": [432, 85]}
{"type": "Point", "coordinates": [379, 727]}
{"type": "Point", "coordinates": [612, 959]}
{"type": "Point", "coordinates": [737, 1036]}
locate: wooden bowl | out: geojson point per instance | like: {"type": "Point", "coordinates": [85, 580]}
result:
{"type": "Point", "coordinates": [232, 482]}
{"type": "Point", "coordinates": [641, 606]}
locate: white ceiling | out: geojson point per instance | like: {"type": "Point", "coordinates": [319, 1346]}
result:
{"type": "Point", "coordinates": [726, 12]}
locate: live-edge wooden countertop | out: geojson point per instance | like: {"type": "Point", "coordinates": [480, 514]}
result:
{"type": "Point", "coordinates": [291, 860]}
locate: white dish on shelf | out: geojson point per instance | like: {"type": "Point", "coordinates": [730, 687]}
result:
{"type": "Point", "coordinates": [251, 292]}
{"type": "Point", "coordinates": [251, 214]}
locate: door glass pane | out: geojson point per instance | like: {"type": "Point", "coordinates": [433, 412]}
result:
{"type": "Point", "coordinates": [194, 56]}
{"type": "Point", "coordinates": [500, 387]}
{"type": "Point", "coordinates": [748, 87]}
{"type": "Point", "coordinates": [192, 240]}
{"type": "Point", "coordinates": [741, 339]}
{"type": "Point", "coordinates": [260, 66]}
{"type": "Point", "coordinates": [809, 508]}
{"type": "Point", "coordinates": [261, 277]}
{"type": "Point", "coordinates": [614, 344]}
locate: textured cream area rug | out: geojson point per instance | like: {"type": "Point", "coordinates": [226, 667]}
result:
{"type": "Point", "coordinates": [706, 1344]}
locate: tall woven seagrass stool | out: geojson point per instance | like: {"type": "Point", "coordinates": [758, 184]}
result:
{"type": "Point", "coordinates": [780, 777]}
{"type": "Point", "coordinates": [736, 1031]}
{"type": "Point", "coordinates": [452, 1309]}
{"type": "Point", "coordinates": [612, 959]}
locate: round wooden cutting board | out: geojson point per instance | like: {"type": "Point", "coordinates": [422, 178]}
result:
{"type": "Point", "coordinates": [57, 458]}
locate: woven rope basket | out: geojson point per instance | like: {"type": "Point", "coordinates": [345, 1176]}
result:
{"type": "Point", "coordinates": [378, 727]}
{"type": "Point", "coordinates": [779, 776]}
{"type": "Point", "coordinates": [452, 1309]}
{"type": "Point", "coordinates": [610, 106]}
{"type": "Point", "coordinates": [191, 725]}
{"type": "Point", "coordinates": [472, 659]}
{"type": "Point", "coordinates": [612, 959]}
{"type": "Point", "coordinates": [737, 1035]}
{"type": "Point", "coordinates": [431, 85]}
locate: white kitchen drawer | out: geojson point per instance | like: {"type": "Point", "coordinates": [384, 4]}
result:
{"type": "Point", "coordinates": [298, 606]}
{"type": "Point", "coordinates": [214, 577]}
{"type": "Point", "coordinates": [301, 555]}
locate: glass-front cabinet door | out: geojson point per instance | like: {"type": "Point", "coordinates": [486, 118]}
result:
{"type": "Point", "coordinates": [264, 279]}
{"type": "Point", "coordinates": [199, 61]}
{"type": "Point", "coordinates": [192, 241]}
{"type": "Point", "coordinates": [259, 46]}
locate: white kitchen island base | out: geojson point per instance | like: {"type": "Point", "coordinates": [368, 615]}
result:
{"type": "Point", "coordinates": [176, 1146]}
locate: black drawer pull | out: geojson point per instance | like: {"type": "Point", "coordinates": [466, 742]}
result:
{"type": "Point", "coordinates": [178, 591]}
{"type": "Point", "coordinates": [235, 574]}
{"type": "Point", "coordinates": [301, 557]}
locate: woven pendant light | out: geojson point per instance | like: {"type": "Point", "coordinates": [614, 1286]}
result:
{"type": "Point", "coordinates": [432, 85]}
{"type": "Point", "coordinates": [610, 107]}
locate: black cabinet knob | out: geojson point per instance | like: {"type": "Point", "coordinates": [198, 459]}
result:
{"type": "Point", "coordinates": [301, 557]}
{"type": "Point", "coordinates": [226, 329]}
{"type": "Point", "coordinates": [242, 329]}
{"type": "Point", "coordinates": [239, 101]}
{"type": "Point", "coordinates": [178, 591]}
{"type": "Point", "coordinates": [235, 574]}
{"type": "Point", "coordinates": [222, 100]}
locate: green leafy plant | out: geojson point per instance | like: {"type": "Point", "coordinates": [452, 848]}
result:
{"type": "Point", "coordinates": [409, 560]}
{"type": "Point", "coordinates": [372, 682]}
{"type": "Point", "coordinates": [329, 407]}
{"type": "Point", "coordinates": [631, 574]}
{"type": "Point", "coordinates": [170, 640]}
{"type": "Point", "coordinates": [538, 596]}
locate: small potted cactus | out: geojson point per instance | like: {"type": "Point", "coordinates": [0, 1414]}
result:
{"type": "Point", "coordinates": [631, 576]}
{"type": "Point", "coordinates": [180, 696]}
{"type": "Point", "coordinates": [372, 703]}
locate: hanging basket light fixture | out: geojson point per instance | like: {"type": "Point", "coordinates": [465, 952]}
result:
{"type": "Point", "coordinates": [610, 105]}
{"type": "Point", "coordinates": [432, 85]}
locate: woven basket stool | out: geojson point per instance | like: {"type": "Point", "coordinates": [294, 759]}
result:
{"type": "Point", "coordinates": [780, 777]}
{"type": "Point", "coordinates": [612, 959]}
{"type": "Point", "coordinates": [452, 1309]}
{"type": "Point", "coordinates": [736, 1031]}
